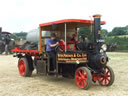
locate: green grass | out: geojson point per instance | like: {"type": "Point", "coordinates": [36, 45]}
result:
{"type": "Point", "coordinates": [117, 54]}
{"type": "Point", "coordinates": [121, 36]}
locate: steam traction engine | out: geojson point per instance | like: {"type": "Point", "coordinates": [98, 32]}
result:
{"type": "Point", "coordinates": [83, 61]}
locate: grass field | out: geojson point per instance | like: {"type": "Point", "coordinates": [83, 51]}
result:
{"type": "Point", "coordinates": [121, 36]}
{"type": "Point", "coordinates": [12, 84]}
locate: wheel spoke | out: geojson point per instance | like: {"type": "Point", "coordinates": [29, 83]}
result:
{"type": "Point", "coordinates": [102, 80]}
{"type": "Point", "coordinates": [107, 72]}
{"type": "Point", "coordinates": [85, 82]}
{"type": "Point", "coordinates": [82, 84]}
{"type": "Point", "coordinates": [108, 79]}
{"type": "Point", "coordinates": [105, 82]}
{"type": "Point", "coordinates": [107, 75]}
{"type": "Point", "coordinates": [78, 77]}
{"type": "Point", "coordinates": [78, 82]}
{"type": "Point", "coordinates": [85, 77]}
{"type": "Point", "coordinates": [79, 73]}
{"type": "Point", "coordinates": [83, 72]}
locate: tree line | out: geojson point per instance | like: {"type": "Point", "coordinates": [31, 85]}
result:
{"type": "Point", "coordinates": [116, 31]}
{"type": "Point", "coordinates": [19, 35]}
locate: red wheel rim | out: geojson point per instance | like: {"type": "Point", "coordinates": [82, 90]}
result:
{"type": "Point", "coordinates": [104, 79]}
{"type": "Point", "coordinates": [21, 67]}
{"type": "Point", "coordinates": [81, 78]}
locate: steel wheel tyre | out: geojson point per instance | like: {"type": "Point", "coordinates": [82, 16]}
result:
{"type": "Point", "coordinates": [83, 78]}
{"type": "Point", "coordinates": [107, 78]}
{"type": "Point", "coordinates": [24, 68]}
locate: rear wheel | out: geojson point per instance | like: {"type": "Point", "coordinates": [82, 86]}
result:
{"type": "Point", "coordinates": [83, 78]}
{"type": "Point", "coordinates": [30, 61]}
{"type": "Point", "coordinates": [24, 67]}
{"type": "Point", "coordinates": [107, 78]}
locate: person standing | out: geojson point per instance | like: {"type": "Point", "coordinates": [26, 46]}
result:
{"type": "Point", "coordinates": [7, 41]}
{"type": "Point", "coordinates": [50, 49]}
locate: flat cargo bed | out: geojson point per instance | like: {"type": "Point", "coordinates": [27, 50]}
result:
{"type": "Point", "coordinates": [18, 50]}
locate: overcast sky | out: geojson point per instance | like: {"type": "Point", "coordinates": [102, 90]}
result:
{"type": "Point", "coordinates": [24, 15]}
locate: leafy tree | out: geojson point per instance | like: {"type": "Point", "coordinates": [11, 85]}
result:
{"type": "Point", "coordinates": [86, 31]}
{"type": "Point", "coordinates": [21, 35]}
{"type": "Point", "coordinates": [13, 36]}
{"type": "Point", "coordinates": [104, 32]}
{"type": "Point", "coordinates": [119, 31]}
{"type": "Point", "coordinates": [126, 30]}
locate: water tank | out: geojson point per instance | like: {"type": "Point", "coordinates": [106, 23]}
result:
{"type": "Point", "coordinates": [33, 36]}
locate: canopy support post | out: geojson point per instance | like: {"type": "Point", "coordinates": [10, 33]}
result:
{"type": "Point", "coordinates": [40, 43]}
{"type": "Point", "coordinates": [65, 37]}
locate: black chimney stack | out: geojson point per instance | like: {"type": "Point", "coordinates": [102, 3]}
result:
{"type": "Point", "coordinates": [97, 29]}
{"type": "Point", "coordinates": [0, 33]}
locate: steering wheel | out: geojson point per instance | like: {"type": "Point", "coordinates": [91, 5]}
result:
{"type": "Point", "coordinates": [58, 48]}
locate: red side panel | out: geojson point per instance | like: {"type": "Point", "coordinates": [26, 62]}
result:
{"type": "Point", "coordinates": [17, 50]}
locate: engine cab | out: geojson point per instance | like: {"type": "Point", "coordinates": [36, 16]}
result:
{"type": "Point", "coordinates": [71, 42]}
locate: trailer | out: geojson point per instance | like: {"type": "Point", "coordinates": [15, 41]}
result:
{"type": "Point", "coordinates": [86, 62]}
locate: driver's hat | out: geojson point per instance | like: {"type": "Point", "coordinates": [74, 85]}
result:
{"type": "Point", "coordinates": [53, 35]}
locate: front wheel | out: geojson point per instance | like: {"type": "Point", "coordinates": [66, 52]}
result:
{"type": "Point", "coordinates": [24, 67]}
{"type": "Point", "coordinates": [83, 78]}
{"type": "Point", "coordinates": [107, 78]}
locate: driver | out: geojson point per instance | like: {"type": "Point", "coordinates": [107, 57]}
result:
{"type": "Point", "coordinates": [50, 49]}
{"type": "Point", "coordinates": [74, 36]}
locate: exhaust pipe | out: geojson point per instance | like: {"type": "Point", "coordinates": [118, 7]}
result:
{"type": "Point", "coordinates": [97, 28]}
{"type": "Point", "coordinates": [0, 33]}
